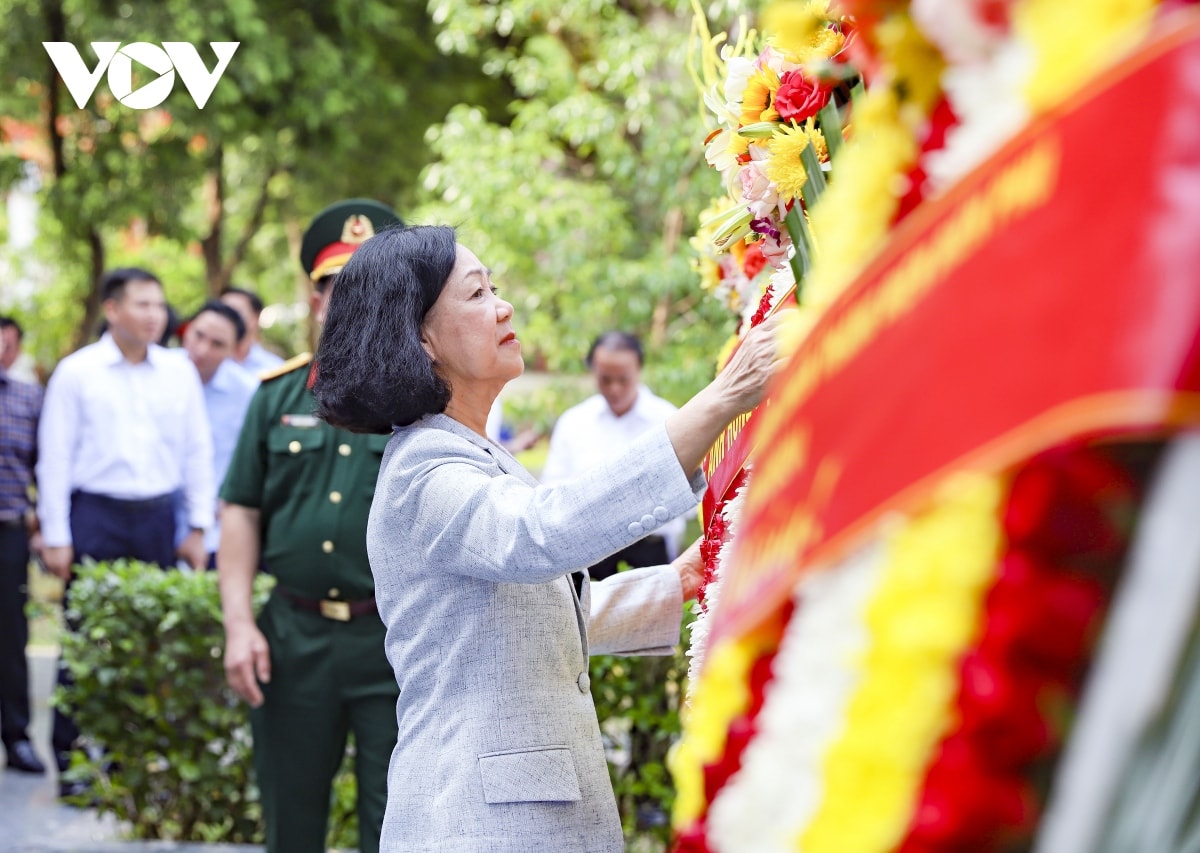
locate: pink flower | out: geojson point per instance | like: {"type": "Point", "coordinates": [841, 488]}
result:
{"type": "Point", "coordinates": [758, 192]}
{"type": "Point", "coordinates": [799, 98]}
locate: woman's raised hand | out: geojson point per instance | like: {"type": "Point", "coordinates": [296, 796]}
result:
{"type": "Point", "coordinates": [737, 389]}
{"type": "Point", "coordinates": [744, 379]}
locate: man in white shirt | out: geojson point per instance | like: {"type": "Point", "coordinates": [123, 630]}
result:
{"type": "Point", "coordinates": [123, 428]}
{"type": "Point", "coordinates": [209, 339]}
{"type": "Point", "coordinates": [603, 425]}
{"type": "Point", "coordinates": [250, 355]}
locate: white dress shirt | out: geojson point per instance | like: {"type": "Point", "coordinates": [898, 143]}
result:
{"type": "Point", "coordinates": [226, 399]}
{"type": "Point", "coordinates": [124, 430]}
{"type": "Point", "coordinates": [590, 433]}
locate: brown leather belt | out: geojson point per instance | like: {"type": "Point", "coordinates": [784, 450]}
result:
{"type": "Point", "coordinates": [338, 611]}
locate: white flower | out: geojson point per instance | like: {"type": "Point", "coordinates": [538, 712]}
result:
{"type": "Point", "coordinates": [987, 98]}
{"type": "Point", "coordinates": [960, 28]}
{"type": "Point", "coordinates": [737, 74]}
{"type": "Point", "coordinates": [779, 786]}
{"type": "Point", "coordinates": [719, 155]}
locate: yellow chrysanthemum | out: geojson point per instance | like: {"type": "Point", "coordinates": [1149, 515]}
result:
{"type": "Point", "coordinates": [880, 153]}
{"type": "Point", "coordinates": [726, 352]}
{"type": "Point", "coordinates": [824, 45]}
{"type": "Point", "coordinates": [785, 169]}
{"type": "Point", "coordinates": [758, 101]}
{"type": "Point", "coordinates": [925, 612]}
{"type": "Point", "coordinates": [793, 332]}
{"type": "Point", "coordinates": [721, 694]}
{"type": "Point", "coordinates": [1061, 65]}
{"type": "Point", "coordinates": [912, 62]}
{"type": "Point", "coordinates": [817, 138]}
{"type": "Point", "coordinates": [799, 29]}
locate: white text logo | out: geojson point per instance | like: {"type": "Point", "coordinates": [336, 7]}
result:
{"type": "Point", "coordinates": [164, 61]}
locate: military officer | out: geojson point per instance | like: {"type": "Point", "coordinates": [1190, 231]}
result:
{"type": "Point", "coordinates": [313, 667]}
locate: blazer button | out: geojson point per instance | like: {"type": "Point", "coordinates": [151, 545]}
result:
{"type": "Point", "coordinates": [584, 682]}
{"type": "Point", "coordinates": [660, 513]}
{"type": "Point", "coordinates": [635, 528]}
{"type": "Point", "coordinates": [649, 522]}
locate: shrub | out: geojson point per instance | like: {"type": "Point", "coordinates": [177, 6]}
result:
{"type": "Point", "coordinates": [638, 701]}
{"type": "Point", "coordinates": [171, 742]}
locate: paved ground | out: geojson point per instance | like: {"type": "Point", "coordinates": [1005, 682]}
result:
{"type": "Point", "coordinates": [31, 818]}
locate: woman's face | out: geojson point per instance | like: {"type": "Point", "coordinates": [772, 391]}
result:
{"type": "Point", "coordinates": [468, 331]}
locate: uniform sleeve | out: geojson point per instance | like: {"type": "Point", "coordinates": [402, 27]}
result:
{"type": "Point", "coordinates": [449, 513]}
{"type": "Point", "coordinates": [246, 476]}
{"type": "Point", "coordinates": [58, 430]}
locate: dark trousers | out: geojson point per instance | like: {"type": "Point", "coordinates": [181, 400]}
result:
{"type": "Point", "coordinates": [328, 679]}
{"type": "Point", "coordinates": [14, 633]}
{"type": "Point", "coordinates": [651, 551]}
{"type": "Point", "coordinates": [104, 528]}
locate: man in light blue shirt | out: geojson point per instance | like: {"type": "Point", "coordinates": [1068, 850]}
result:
{"type": "Point", "coordinates": [249, 354]}
{"type": "Point", "coordinates": [209, 339]}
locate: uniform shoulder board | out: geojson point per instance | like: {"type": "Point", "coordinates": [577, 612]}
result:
{"type": "Point", "coordinates": [287, 367]}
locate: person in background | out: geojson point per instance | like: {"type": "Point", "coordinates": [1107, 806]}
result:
{"type": "Point", "coordinates": [18, 365]}
{"type": "Point", "coordinates": [209, 339]}
{"type": "Point", "coordinates": [312, 667]}
{"type": "Point", "coordinates": [20, 405]}
{"type": "Point", "coordinates": [250, 354]}
{"type": "Point", "coordinates": [602, 427]}
{"type": "Point", "coordinates": [123, 427]}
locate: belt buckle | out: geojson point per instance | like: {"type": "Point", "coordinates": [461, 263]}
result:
{"type": "Point", "coordinates": [339, 611]}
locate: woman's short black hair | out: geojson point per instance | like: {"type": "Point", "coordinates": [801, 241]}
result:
{"type": "Point", "coordinates": [372, 371]}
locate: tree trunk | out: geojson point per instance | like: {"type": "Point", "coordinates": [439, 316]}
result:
{"type": "Point", "coordinates": [56, 28]}
{"type": "Point", "coordinates": [672, 230]}
{"type": "Point", "coordinates": [219, 269]}
{"type": "Point", "coordinates": [214, 214]}
{"type": "Point", "coordinates": [91, 305]}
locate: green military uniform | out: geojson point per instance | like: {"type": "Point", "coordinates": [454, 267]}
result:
{"type": "Point", "coordinates": [313, 486]}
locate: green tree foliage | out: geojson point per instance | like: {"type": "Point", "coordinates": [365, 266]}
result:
{"type": "Point", "coordinates": [562, 137]}
{"type": "Point", "coordinates": [322, 100]}
{"type": "Point", "coordinates": [582, 194]}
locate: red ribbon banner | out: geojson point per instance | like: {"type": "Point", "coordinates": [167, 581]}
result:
{"type": "Point", "coordinates": [1053, 294]}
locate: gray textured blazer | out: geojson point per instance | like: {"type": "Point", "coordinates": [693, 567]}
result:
{"type": "Point", "coordinates": [499, 749]}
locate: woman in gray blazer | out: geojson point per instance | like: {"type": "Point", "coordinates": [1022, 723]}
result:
{"type": "Point", "coordinates": [499, 749]}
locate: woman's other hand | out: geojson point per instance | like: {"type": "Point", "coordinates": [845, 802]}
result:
{"type": "Point", "coordinates": [691, 570]}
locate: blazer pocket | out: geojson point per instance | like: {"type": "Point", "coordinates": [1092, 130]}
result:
{"type": "Point", "coordinates": [541, 775]}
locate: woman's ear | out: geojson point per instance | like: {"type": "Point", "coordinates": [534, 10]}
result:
{"type": "Point", "coordinates": [427, 346]}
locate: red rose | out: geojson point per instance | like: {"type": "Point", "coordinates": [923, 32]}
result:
{"type": "Point", "coordinates": [799, 98]}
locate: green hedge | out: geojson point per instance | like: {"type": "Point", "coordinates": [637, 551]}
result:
{"type": "Point", "coordinates": [147, 659]}
{"type": "Point", "coordinates": [174, 757]}
{"type": "Point", "coordinates": [637, 701]}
